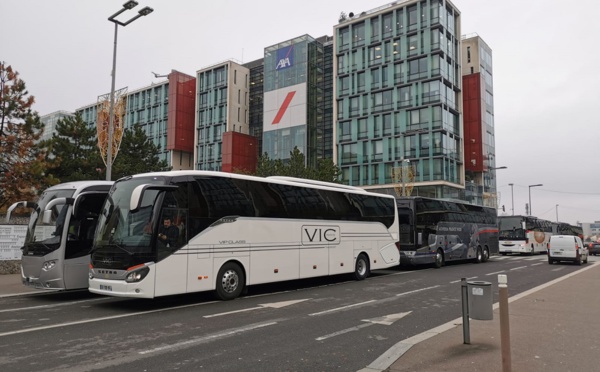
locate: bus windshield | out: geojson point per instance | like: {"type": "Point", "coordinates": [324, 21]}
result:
{"type": "Point", "coordinates": [511, 228]}
{"type": "Point", "coordinates": [130, 232]}
{"type": "Point", "coordinates": [44, 238]}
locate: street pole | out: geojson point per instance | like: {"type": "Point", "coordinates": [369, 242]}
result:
{"type": "Point", "coordinates": [556, 212]}
{"type": "Point", "coordinates": [111, 111]}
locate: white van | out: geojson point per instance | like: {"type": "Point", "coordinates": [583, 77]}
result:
{"type": "Point", "coordinates": [567, 248]}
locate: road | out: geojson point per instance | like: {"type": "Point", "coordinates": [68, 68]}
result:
{"type": "Point", "coordinates": [323, 324]}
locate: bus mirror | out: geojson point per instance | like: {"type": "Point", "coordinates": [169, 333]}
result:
{"type": "Point", "coordinates": [420, 238]}
{"type": "Point", "coordinates": [47, 216]}
{"type": "Point", "coordinates": [138, 194]}
{"type": "Point", "coordinates": [24, 204]}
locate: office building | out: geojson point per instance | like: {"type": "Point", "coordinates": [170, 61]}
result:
{"type": "Point", "coordinates": [398, 98]}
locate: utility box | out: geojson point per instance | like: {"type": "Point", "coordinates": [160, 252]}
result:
{"type": "Point", "coordinates": [480, 299]}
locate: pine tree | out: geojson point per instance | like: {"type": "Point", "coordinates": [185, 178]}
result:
{"type": "Point", "coordinates": [73, 151]}
{"type": "Point", "coordinates": [137, 154]}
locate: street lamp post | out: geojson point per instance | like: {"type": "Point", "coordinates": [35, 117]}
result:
{"type": "Point", "coordinates": [556, 212]}
{"type": "Point", "coordinates": [530, 186]}
{"type": "Point", "coordinates": [512, 198]}
{"type": "Point", "coordinates": [144, 12]}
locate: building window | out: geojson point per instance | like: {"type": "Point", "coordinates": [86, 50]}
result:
{"type": "Point", "coordinates": [387, 25]}
{"type": "Point", "coordinates": [375, 29]}
{"type": "Point", "coordinates": [375, 55]}
{"type": "Point", "coordinates": [358, 34]}
{"type": "Point", "coordinates": [344, 38]}
{"type": "Point", "coordinates": [404, 97]}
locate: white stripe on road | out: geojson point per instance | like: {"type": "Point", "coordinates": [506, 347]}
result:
{"type": "Point", "coordinates": [208, 338]}
{"type": "Point", "coordinates": [497, 272]}
{"type": "Point", "coordinates": [341, 308]}
{"type": "Point", "coordinates": [54, 305]}
{"type": "Point", "coordinates": [539, 263]}
{"type": "Point", "coordinates": [518, 268]}
{"type": "Point", "coordinates": [417, 290]}
{"type": "Point", "coordinates": [344, 331]}
{"type": "Point", "coordinates": [98, 319]}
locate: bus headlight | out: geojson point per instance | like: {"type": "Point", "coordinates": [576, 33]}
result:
{"type": "Point", "coordinates": [48, 265]}
{"type": "Point", "coordinates": [137, 275]}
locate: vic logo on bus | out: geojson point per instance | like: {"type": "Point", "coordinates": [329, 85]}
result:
{"type": "Point", "coordinates": [285, 57]}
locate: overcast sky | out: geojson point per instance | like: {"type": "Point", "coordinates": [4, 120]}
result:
{"type": "Point", "coordinates": [545, 53]}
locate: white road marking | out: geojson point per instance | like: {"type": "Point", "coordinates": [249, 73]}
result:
{"type": "Point", "coordinates": [518, 268]}
{"type": "Point", "coordinates": [387, 319]}
{"type": "Point", "coordinates": [384, 320]}
{"type": "Point", "coordinates": [53, 305]}
{"type": "Point", "coordinates": [98, 319]}
{"type": "Point", "coordinates": [416, 290]}
{"type": "Point", "coordinates": [274, 305]}
{"type": "Point", "coordinates": [539, 263]}
{"type": "Point", "coordinates": [497, 272]}
{"type": "Point", "coordinates": [208, 338]}
{"type": "Point", "coordinates": [341, 308]}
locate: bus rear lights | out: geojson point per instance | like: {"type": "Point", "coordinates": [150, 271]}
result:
{"type": "Point", "coordinates": [314, 267]}
{"type": "Point", "coordinates": [48, 265]}
{"type": "Point", "coordinates": [276, 271]}
{"type": "Point", "coordinates": [137, 275]}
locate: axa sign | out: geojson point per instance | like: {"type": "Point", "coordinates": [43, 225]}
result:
{"type": "Point", "coordinates": [285, 57]}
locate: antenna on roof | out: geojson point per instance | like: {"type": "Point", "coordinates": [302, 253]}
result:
{"type": "Point", "coordinates": [159, 75]}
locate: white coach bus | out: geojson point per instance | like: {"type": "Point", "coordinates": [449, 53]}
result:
{"type": "Point", "coordinates": [235, 231]}
{"type": "Point", "coordinates": [56, 253]}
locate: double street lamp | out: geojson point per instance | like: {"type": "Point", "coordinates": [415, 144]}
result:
{"type": "Point", "coordinates": [143, 12]}
{"type": "Point", "coordinates": [530, 186]}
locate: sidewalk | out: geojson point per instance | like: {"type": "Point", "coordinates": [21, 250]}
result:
{"type": "Point", "coordinates": [553, 327]}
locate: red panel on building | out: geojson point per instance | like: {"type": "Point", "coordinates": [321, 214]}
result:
{"type": "Point", "coordinates": [182, 103]}
{"type": "Point", "coordinates": [239, 152]}
{"type": "Point", "coordinates": [473, 123]}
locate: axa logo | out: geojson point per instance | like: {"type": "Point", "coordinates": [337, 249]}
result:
{"type": "Point", "coordinates": [283, 63]}
{"type": "Point", "coordinates": [285, 58]}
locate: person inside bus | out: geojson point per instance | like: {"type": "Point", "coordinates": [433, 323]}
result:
{"type": "Point", "coordinates": [168, 233]}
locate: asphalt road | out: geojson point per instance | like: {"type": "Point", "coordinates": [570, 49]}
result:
{"type": "Point", "coordinates": [324, 324]}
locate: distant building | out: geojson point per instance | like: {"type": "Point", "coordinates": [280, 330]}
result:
{"type": "Point", "coordinates": [50, 121]}
{"type": "Point", "coordinates": [478, 119]}
{"type": "Point", "coordinates": [165, 112]}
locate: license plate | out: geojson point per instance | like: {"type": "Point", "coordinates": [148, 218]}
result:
{"type": "Point", "coordinates": [106, 287]}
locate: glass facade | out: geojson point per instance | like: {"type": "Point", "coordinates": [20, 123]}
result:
{"type": "Point", "coordinates": [296, 65]}
{"type": "Point", "coordinates": [148, 108]}
{"type": "Point", "coordinates": [398, 98]}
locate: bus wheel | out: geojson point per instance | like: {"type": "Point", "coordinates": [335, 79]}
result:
{"type": "Point", "coordinates": [230, 281]}
{"type": "Point", "coordinates": [486, 254]}
{"type": "Point", "coordinates": [439, 259]}
{"type": "Point", "coordinates": [361, 270]}
{"type": "Point", "coordinates": [479, 255]}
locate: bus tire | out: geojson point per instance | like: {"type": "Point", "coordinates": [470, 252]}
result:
{"type": "Point", "coordinates": [486, 254]}
{"type": "Point", "coordinates": [361, 268]}
{"type": "Point", "coordinates": [479, 255]}
{"type": "Point", "coordinates": [230, 281]}
{"type": "Point", "coordinates": [439, 259]}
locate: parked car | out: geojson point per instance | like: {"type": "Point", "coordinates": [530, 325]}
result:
{"type": "Point", "coordinates": [567, 248]}
{"type": "Point", "coordinates": [593, 248]}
